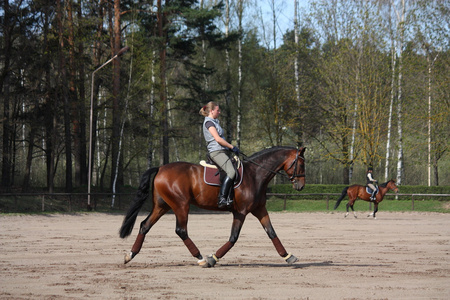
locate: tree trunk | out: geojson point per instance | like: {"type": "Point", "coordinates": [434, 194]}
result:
{"type": "Point", "coordinates": [297, 75]}
{"type": "Point", "coordinates": [202, 32]}
{"type": "Point", "coordinates": [64, 94]}
{"type": "Point", "coordinates": [164, 158]}
{"type": "Point", "coordinates": [151, 129]}
{"type": "Point", "coordinates": [96, 86]}
{"type": "Point", "coordinates": [228, 76]}
{"type": "Point", "coordinates": [82, 106]}
{"type": "Point", "coordinates": [436, 171]}
{"type": "Point", "coordinates": [116, 164]}
{"type": "Point", "coordinates": [74, 107]}
{"type": "Point", "coordinates": [391, 104]}
{"type": "Point", "coordinates": [430, 68]}
{"type": "Point", "coordinates": [399, 98]}
{"type": "Point", "coordinates": [239, 96]}
{"type": "Point", "coordinates": [29, 160]}
{"type": "Point", "coordinates": [5, 90]}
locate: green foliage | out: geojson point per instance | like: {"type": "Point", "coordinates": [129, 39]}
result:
{"type": "Point", "coordinates": [310, 188]}
{"type": "Point", "coordinates": [345, 80]}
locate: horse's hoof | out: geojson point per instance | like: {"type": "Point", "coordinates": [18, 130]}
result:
{"type": "Point", "coordinates": [290, 259]}
{"type": "Point", "coordinates": [202, 263]}
{"type": "Point", "coordinates": [210, 261]}
{"type": "Point", "coordinates": [128, 257]}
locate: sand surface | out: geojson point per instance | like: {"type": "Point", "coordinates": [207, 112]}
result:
{"type": "Point", "coordinates": [80, 256]}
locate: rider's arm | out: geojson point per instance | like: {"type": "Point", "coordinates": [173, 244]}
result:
{"type": "Point", "coordinates": [218, 139]}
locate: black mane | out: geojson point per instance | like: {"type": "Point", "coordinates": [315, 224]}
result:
{"type": "Point", "coordinates": [385, 184]}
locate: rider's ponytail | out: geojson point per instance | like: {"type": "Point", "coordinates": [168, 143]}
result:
{"type": "Point", "coordinates": [204, 111]}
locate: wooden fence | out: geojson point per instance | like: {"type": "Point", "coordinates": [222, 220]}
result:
{"type": "Point", "coordinates": [68, 202]}
{"type": "Point", "coordinates": [336, 195]}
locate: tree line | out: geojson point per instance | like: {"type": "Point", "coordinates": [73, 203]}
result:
{"type": "Point", "coordinates": [358, 83]}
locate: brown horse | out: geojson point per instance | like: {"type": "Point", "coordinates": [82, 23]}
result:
{"type": "Point", "coordinates": [177, 185]}
{"type": "Point", "coordinates": [359, 191]}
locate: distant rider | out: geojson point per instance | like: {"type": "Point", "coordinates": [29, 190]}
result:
{"type": "Point", "coordinates": [371, 182]}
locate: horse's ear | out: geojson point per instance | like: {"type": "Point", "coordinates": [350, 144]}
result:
{"type": "Point", "coordinates": [302, 150]}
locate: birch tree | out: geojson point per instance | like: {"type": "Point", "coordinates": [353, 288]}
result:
{"type": "Point", "coordinates": [240, 13]}
{"type": "Point", "coordinates": [391, 103]}
{"type": "Point", "coordinates": [400, 12]}
{"type": "Point", "coordinates": [296, 71]}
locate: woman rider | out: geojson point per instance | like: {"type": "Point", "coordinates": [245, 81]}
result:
{"type": "Point", "coordinates": [219, 150]}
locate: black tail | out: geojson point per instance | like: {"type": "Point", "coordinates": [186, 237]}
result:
{"type": "Point", "coordinates": [344, 193]}
{"type": "Point", "coordinates": [138, 202]}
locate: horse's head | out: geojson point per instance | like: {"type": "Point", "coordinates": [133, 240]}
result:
{"type": "Point", "coordinates": [391, 185]}
{"type": "Point", "coordinates": [295, 168]}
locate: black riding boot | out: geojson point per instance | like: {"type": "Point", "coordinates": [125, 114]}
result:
{"type": "Point", "coordinates": [373, 197]}
{"type": "Point", "coordinates": [225, 192]}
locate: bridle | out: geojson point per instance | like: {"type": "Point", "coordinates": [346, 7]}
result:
{"type": "Point", "coordinates": [293, 164]}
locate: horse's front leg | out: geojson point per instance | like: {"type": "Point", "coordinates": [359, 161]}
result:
{"type": "Point", "coordinates": [375, 209]}
{"type": "Point", "coordinates": [264, 219]}
{"type": "Point", "coordinates": [238, 221]}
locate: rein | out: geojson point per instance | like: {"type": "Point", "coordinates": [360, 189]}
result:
{"type": "Point", "coordinates": [294, 163]}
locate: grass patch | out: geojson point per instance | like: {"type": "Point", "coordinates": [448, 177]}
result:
{"type": "Point", "coordinates": [297, 205]}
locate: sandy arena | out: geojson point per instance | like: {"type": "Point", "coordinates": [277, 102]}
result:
{"type": "Point", "coordinates": [80, 256]}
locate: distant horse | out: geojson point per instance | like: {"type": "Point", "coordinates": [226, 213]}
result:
{"type": "Point", "coordinates": [359, 191]}
{"type": "Point", "coordinates": [177, 185]}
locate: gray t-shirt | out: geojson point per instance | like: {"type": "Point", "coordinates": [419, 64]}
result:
{"type": "Point", "coordinates": [211, 143]}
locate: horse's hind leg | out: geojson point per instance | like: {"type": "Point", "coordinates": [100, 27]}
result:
{"type": "Point", "coordinates": [264, 219]}
{"type": "Point", "coordinates": [353, 210]}
{"type": "Point", "coordinates": [182, 232]}
{"type": "Point", "coordinates": [146, 225]}
{"type": "Point", "coordinates": [350, 205]}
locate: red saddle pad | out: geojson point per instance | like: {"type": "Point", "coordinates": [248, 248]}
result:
{"type": "Point", "coordinates": [211, 176]}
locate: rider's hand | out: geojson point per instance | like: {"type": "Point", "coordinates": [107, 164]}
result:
{"type": "Point", "coordinates": [235, 150]}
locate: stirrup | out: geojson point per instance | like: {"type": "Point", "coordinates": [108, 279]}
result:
{"type": "Point", "coordinates": [222, 203]}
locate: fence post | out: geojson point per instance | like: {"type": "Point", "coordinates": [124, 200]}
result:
{"type": "Point", "coordinates": [284, 205]}
{"type": "Point", "coordinates": [43, 203]}
{"type": "Point", "coordinates": [412, 202]}
{"type": "Point", "coordinates": [328, 199]}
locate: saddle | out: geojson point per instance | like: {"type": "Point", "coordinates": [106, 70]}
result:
{"type": "Point", "coordinates": [213, 175]}
{"type": "Point", "coordinates": [369, 190]}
